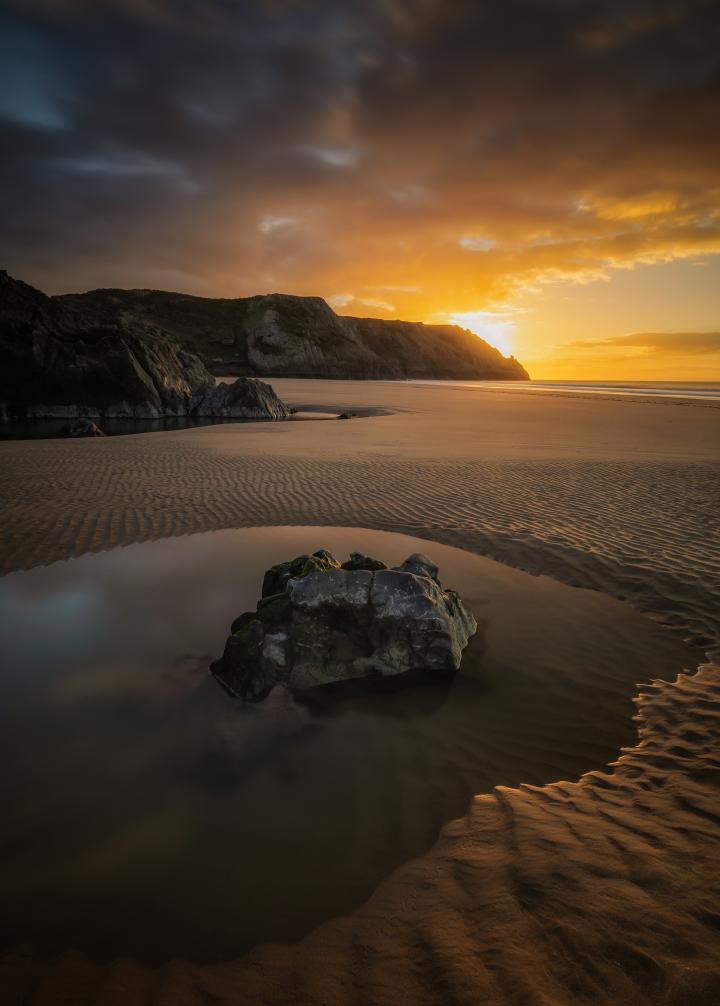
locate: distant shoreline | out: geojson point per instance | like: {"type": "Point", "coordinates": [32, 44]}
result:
{"type": "Point", "coordinates": [653, 393]}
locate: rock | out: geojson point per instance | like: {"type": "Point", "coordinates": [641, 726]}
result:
{"type": "Point", "coordinates": [59, 360]}
{"type": "Point", "coordinates": [280, 335]}
{"type": "Point", "coordinates": [319, 623]}
{"type": "Point", "coordinates": [82, 428]}
{"type": "Point", "coordinates": [359, 561]}
{"type": "Point", "coordinates": [276, 578]}
{"type": "Point", "coordinates": [420, 565]}
{"type": "Point", "coordinates": [346, 415]}
{"type": "Point", "coordinates": [246, 398]}
{"type": "Point", "coordinates": [331, 590]}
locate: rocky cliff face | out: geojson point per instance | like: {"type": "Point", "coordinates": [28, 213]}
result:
{"type": "Point", "coordinates": [289, 336]}
{"type": "Point", "coordinates": [57, 359]}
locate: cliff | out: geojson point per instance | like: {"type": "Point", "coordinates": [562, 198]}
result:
{"type": "Point", "coordinates": [58, 360]}
{"type": "Point", "coordinates": [282, 335]}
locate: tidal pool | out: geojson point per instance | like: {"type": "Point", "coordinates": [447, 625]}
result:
{"type": "Point", "coordinates": [53, 429]}
{"type": "Point", "coordinates": [147, 814]}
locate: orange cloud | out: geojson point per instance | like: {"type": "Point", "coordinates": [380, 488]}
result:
{"type": "Point", "coordinates": [703, 343]}
{"type": "Point", "coordinates": [416, 160]}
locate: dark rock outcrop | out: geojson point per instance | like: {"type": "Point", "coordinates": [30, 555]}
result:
{"type": "Point", "coordinates": [82, 428]}
{"type": "Point", "coordinates": [57, 360]}
{"type": "Point", "coordinates": [359, 561]}
{"type": "Point", "coordinates": [280, 335]}
{"type": "Point", "coordinates": [319, 623]}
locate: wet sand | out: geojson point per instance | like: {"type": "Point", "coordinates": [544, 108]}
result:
{"type": "Point", "coordinates": [602, 890]}
{"type": "Point", "coordinates": [616, 495]}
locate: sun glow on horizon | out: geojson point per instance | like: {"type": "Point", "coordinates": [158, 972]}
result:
{"type": "Point", "coordinates": [495, 327]}
{"type": "Point", "coordinates": [570, 218]}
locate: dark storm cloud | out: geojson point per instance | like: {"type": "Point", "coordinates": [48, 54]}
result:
{"type": "Point", "coordinates": [151, 142]}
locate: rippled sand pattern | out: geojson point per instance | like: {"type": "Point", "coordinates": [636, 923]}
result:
{"type": "Point", "coordinates": [604, 891]}
{"type": "Point", "coordinates": [645, 530]}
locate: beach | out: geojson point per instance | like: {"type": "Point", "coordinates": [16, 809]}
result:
{"type": "Point", "coordinates": [618, 494]}
{"type": "Point", "coordinates": [598, 886]}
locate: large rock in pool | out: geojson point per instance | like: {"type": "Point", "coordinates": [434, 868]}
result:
{"type": "Point", "coordinates": [320, 622]}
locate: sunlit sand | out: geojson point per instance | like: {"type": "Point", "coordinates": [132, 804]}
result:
{"type": "Point", "coordinates": [585, 859]}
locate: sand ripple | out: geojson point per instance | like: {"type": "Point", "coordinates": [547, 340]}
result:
{"type": "Point", "coordinates": [646, 532]}
{"type": "Point", "coordinates": [604, 891]}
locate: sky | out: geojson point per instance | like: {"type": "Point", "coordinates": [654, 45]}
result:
{"type": "Point", "coordinates": [543, 172]}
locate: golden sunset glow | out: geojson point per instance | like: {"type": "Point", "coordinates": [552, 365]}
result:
{"type": "Point", "coordinates": [494, 327]}
{"type": "Point", "coordinates": [556, 191]}
{"type": "Point", "coordinates": [359, 456]}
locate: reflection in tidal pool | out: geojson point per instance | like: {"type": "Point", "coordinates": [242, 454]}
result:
{"type": "Point", "coordinates": [147, 814]}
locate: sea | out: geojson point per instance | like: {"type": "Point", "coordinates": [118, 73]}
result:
{"type": "Point", "coordinates": [707, 390]}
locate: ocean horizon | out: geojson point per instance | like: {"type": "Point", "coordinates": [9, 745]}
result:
{"type": "Point", "coordinates": [709, 390]}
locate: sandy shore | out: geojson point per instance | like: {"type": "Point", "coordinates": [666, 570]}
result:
{"type": "Point", "coordinates": [616, 495]}
{"type": "Point", "coordinates": [603, 890]}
